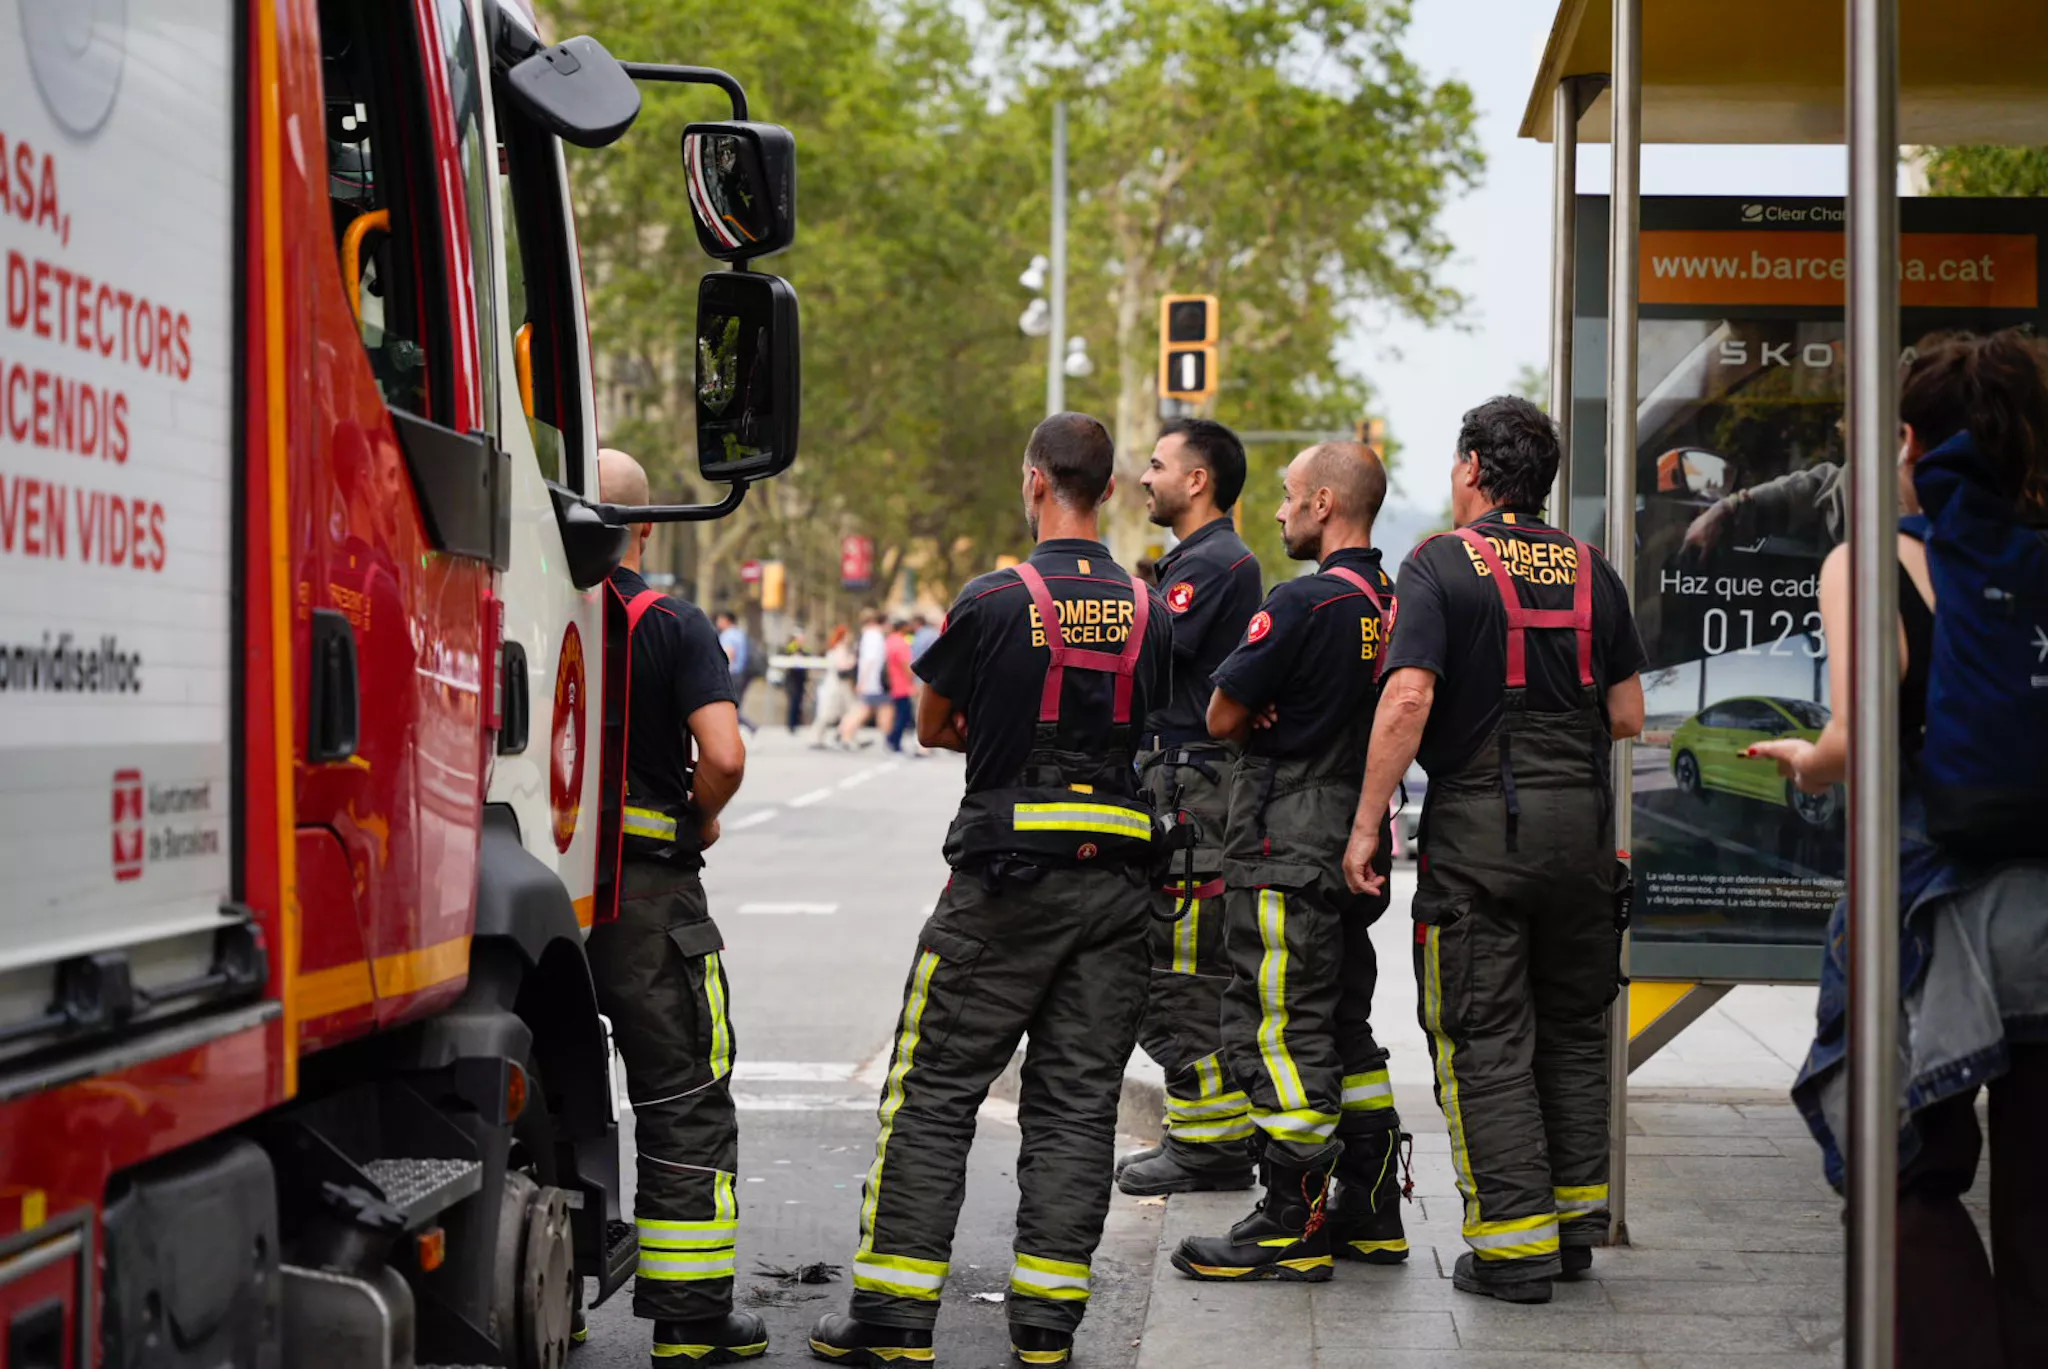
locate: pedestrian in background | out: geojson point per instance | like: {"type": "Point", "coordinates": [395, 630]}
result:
{"type": "Point", "coordinates": [1973, 954]}
{"type": "Point", "coordinates": [794, 677]}
{"type": "Point", "coordinates": [870, 678]}
{"type": "Point", "coordinates": [1514, 665]}
{"type": "Point", "coordinates": [738, 658]}
{"type": "Point", "coordinates": [835, 687]}
{"type": "Point", "coordinates": [922, 635]}
{"type": "Point", "coordinates": [902, 685]}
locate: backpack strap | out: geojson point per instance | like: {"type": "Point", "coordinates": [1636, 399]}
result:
{"type": "Point", "coordinates": [1123, 664]}
{"type": "Point", "coordinates": [1578, 618]}
{"type": "Point", "coordinates": [1364, 586]}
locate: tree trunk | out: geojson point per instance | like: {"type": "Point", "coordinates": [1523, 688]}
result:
{"type": "Point", "coordinates": [1137, 414]}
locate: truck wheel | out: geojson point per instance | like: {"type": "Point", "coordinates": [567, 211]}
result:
{"type": "Point", "coordinates": [547, 1283]}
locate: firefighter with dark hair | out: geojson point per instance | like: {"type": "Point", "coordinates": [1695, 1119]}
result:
{"type": "Point", "coordinates": [656, 955]}
{"type": "Point", "coordinates": [1298, 694]}
{"type": "Point", "coordinates": [1210, 582]}
{"type": "Point", "coordinates": [1514, 666]}
{"type": "Point", "coordinates": [1042, 675]}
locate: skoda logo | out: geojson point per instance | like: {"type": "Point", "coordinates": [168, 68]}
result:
{"type": "Point", "coordinates": [76, 49]}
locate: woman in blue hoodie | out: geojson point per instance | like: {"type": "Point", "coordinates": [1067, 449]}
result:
{"type": "Point", "coordinates": [1974, 937]}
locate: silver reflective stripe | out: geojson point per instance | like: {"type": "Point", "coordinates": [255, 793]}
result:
{"type": "Point", "coordinates": [1535, 1235]}
{"type": "Point", "coordinates": [895, 1272]}
{"type": "Point", "coordinates": [1358, 1093]}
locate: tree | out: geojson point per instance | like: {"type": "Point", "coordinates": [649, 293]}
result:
{"type": "Point", "coordinates": [1282, 154]}
{"type": "Point", "coordinates": [1993, 171]}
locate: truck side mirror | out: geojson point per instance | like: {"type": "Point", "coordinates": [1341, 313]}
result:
{"type": "Point", "coordinates": [747, 376]}
{"type": "Point", "coordinates": [742, 184]}
{"type": "Point", "coordinates": [594, 547]}
{"type": "Point", "coordinates": [576, 91]}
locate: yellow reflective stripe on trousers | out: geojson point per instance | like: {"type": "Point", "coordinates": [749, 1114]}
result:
{"type": "Point", "coordinates": [1578, 1200]}
{"type": "Point", "coordinates": [1368, 1092]}
{"type": "Point", "coordinates": [1238, 1128]}
{"type": "Point", "coordinates": [684, 1266]}
{"type": "Point", "coordinates": [721, 1027]}
{"type": "Point", "coordinates": [1446, 1074]}
{"type": "Point", "coordinates": [1209, 1075]}
{"type": "Point", "coordinates": [1060, 1280]}
{"type": "Point", "coordinates": [1304, 1125]}
{"type": "Point", "coordinates": [1081, 817]}
{"type": "Point", "coordinates": [1273, 1002]}
{"type": "Point", "coordinates": [900, 1276]}
{"type": "Point", "coordinates": [1521, 1238]}
{"type": "Point", "coordinates": [892, 1093]}
{"type": "Point", "coordinates": [1189, 1110]}
{"type": "Point", "coordinates": [1186, 935]}
{"type": "Point", "coordinates": [650, 822]}
{"type": "Point", "coordinates": [660, 1235]}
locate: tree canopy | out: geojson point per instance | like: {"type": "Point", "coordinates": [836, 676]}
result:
{"type": "Point", "coordinates": [1285, 155]}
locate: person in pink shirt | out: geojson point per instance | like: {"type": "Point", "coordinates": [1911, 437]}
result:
{"type": "Point", "coordinates": [902, 684]}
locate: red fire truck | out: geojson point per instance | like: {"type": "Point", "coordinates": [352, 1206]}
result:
{"type": "Point", "coordinates": [305, 798]}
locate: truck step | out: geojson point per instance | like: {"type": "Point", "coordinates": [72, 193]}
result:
{"type": "Point", "coordinates": [423, 1189]}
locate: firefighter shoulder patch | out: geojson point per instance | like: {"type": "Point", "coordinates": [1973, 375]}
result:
{"type": "Point", "coordinates": [1181, 596]}
{"type": "Point", "coordinates": [1260, 625]}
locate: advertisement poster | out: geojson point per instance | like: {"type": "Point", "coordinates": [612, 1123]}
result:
{"type": "Point", "coordinates": [1740, 494]}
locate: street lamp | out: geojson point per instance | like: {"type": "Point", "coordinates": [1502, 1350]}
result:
{"type": "Point", "coordinates": [1046, 279]}
{"type": "Point", "coordinates": [1077, 363]}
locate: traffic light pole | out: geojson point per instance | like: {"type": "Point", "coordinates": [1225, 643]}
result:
{"type": "Point", "coordinates": [1056, 339]}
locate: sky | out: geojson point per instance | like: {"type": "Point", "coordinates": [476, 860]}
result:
{"type": "Point", "coordinates": [1426, 378]}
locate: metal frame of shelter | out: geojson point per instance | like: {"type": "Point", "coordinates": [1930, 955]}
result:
{"type": "Point", "coordinates": [1864, 74]}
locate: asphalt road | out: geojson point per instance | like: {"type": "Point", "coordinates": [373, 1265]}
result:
{"type": "Point", "coordinates": [828, 866]}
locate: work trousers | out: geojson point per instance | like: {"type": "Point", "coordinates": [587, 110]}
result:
{"type": "Point", "coordinates": [1181, 1030]}
{"type": "Point", "coordinates": [660, 979]}
{"type": "Point", "coordinates": [1516, 960]}
{"type": "Point", "coordinates": [1058, 954]}
{"type": "Point", "coordinates": [1296, 1024]}
{"type": "Point", "coordinates": [1953, 1309]}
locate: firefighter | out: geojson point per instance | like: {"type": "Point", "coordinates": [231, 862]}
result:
{"type": "Point", "coordinates": [656, 959]}
{"type": "Point", "coordinates": [1298, 692]}
{"type": "Point", "coordinates": [1210, 582]}
{"type": "Point", "coordinates": [1514, 666]}
{"type": "Point", "coordinates": [1042, 675]}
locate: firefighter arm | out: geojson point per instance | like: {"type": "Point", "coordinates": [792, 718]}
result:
{"type": "Point", "coordinates": [1228, 720]}
{"type": "Point", "coordinates": [1397, 725]}
{"type": "Point", "coordinates": [1625, 708]}
{"type": "Point", "coordinates": [938, 725]}
{"type": "Point", "coordinates": [721, 760]}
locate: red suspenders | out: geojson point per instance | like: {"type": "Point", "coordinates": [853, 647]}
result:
{"type": "Point", "coordinates": [1122, 664]}
{"type": "Point", "coordinates": [1364, 586]}
{"type": "Point", "coordinates": [635, 609]}
{"type": "Point", "coordinates": [1579, 617]}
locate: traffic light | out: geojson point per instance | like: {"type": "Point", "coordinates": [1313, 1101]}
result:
{"type": "Point", "coordinates": [1188, 331]}
{"type": "Point", "coordinates": [1372, 432]}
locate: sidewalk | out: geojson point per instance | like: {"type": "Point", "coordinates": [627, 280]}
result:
{"type": "Point", "coordinates": [1736, 1254]}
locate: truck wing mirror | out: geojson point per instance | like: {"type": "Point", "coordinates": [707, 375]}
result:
{"type": "Point", "coordinates": [747, 376]}
{"type": "Point", "coordinates": [576, 91]}
{"type": "Point", "coordinates": [593, 544]}
{"type": "Point", "coordinates": [742, 183]}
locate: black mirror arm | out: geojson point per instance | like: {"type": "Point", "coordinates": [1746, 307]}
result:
{"type": "Point", "coordinates": [693, 76]}
{"type": "Point", "coordinates": [623, 515]}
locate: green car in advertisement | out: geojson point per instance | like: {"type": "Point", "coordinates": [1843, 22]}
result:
{"type": "Point", "coordinates": [1709, 753]}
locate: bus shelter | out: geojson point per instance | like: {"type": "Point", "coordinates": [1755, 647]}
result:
{"type": "Point", "coordinates": [1724, 372]}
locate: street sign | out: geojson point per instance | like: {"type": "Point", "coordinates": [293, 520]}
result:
{"type": "Point", "coordinates": [856, 562]}
{"type": "Point", "coordinates": [750, 572]}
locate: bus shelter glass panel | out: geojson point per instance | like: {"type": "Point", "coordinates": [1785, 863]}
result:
{"type": "Point", "coordinates": [1739, 496]}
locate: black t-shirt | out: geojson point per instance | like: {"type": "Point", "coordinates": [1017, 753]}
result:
{"type": "Point", "coordinates": [991, 657]}
{"type": "Point", "coordinates": [1210, 583]}
{"type": "Point", "coordinates": [678, 668]}
{"type": "Point", "coordinates": [1451, 623]}
{"type": "Point", "coordinates": [1311, 651]}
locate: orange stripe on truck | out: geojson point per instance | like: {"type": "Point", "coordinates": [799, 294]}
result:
{"type": "Point", "coordinates": [356, 983]}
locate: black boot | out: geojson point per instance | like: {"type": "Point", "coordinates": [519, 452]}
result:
{"type": "Point", "coordinates": [1135, 1157]}
{"type": "Point", "coordinates": [1180, 1167]}
{"type": "Point", "coordinates": [1577, 1259]}
{"type": "Point", "coordinates": [1496, 1279]}
{"type": "Point", "coordinates": [713, 1340]}
{"type": "Point", "coordinates": [1283, 1238]}
{"type": "Point", "coordinates": [1365, 1219]}
{"type": "Point", "coordinates": [846, 1340]}
{"type": "Point", "coordinates": [1040, 1345]}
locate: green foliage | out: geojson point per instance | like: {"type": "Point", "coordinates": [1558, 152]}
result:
{"type": "Point", "coordinates": [1988, 171]}
{"type": "Point", "coordinates": [1281, 153]}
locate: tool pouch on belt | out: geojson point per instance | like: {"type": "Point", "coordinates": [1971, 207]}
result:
{"type": "Point", "coordinates": [1189, 787]}
{"type": "Point", "coordinates": [1045, 825]}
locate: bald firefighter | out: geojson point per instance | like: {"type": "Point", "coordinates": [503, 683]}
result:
{"type": "Point", "coordinates": [1042, 675]}
{"type": "Point", "coordinates": [1513, 669]}
{"type": "Point", "coordinates": [655, 953]}
{"type": "Point", "coordinates": [1298, 693]}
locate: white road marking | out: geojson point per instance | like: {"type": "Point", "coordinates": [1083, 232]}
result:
{"type": "Point", "coordinates": [753, 819]}
{"type": "Point", "coordinates": [806, 800]}
{"type": "Point", "coordinates": [793, 1071]}
{"type": "Point", "coordinates": [860, 777]}
{"type": "Point", "coordinates": [802, 1102]}
{"type": "Point", "coordinates": [788, 909]}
